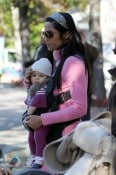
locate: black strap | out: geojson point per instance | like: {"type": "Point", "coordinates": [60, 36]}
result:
{"type": "Point", "coordinates": [62, 97]}
{"type": "Point", "coordinates": [56, 129]}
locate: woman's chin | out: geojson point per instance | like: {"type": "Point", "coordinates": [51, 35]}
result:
{"type": "Point", "coordinates": [50, 48]}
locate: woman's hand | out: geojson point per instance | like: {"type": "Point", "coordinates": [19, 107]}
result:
{"type": "Point", "coordinates": [34, 121]}
{"type": "Point", "coordinates": [3, 171]}
{"type": "Point", "coordinates": [28, 73]}
{"type": "Point", "coordinates": [27, 79]}
{"type": "Point", "coordinates": [6, 168]}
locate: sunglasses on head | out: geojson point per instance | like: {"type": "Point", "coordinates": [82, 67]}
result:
{"type": "Point", "coordinates": [48, 34]}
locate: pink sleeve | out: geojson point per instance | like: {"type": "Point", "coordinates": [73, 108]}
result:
{"type": "Point", "coordinates": [74, 79]}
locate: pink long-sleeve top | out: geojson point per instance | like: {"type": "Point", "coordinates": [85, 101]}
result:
{"type": "Point", "coordinates": [75, 79]}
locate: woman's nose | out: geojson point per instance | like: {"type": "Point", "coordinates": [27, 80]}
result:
{"type": "Point", "coordinates": [46, 40]}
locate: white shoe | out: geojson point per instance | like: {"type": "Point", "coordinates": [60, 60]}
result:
{"type": "Point", "coordinates": [38, 160]}
{"type": "Point", "coordinates": [37, 164]}
{"type": "Point", "coordinates": [30, 161]}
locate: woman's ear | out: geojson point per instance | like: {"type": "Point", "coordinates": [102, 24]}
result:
{"type": "Point", "coordinates": [66, 35]}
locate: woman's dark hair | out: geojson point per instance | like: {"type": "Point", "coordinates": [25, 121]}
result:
{"type": "Point", "coordinates": [112, 98]}
{"type": "Point", "coordinates": [31, 172]}
{"type": "Point", "coordinates": [112, 108]}
{"type": "Point", "coordinates": [40, 52]}
{"type": "Point", "coordinates": [74, 45]}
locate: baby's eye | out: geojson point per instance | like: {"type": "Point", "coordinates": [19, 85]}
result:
{"type": "Point", "coordinates": [41, 75]}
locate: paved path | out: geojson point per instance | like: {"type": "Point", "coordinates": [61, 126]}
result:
{"type": "Point", "coordinates": [13, 136]}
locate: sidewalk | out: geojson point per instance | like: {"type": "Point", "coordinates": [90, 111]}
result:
{"type": "Point", "coordinates": [13, 136]}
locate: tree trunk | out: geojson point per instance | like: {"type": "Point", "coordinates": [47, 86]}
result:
{"type": "Point", "coordinates": [16, 25]}
{"type": "Point", "coordinates": [99, 92]}
{"type": "Point", "coordinates": [24, 31]}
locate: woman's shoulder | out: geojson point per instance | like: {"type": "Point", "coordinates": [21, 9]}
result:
{"type": "Point", "coordinates": [74, 59]}
{"type": "Point", "coordinates": [73, 63]}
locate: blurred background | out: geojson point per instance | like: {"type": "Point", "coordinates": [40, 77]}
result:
{"type": "Point", "coordinates": [20, 28]}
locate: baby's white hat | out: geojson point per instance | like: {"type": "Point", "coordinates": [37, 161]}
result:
{"type": "Point", "coordinates": [43, 65]}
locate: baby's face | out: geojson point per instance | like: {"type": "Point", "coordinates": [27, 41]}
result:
{"type": "Point", "coordinates": [37, 77]}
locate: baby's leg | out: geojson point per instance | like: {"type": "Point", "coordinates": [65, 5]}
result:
{"type": "Point", "coordinates": [40, 141]}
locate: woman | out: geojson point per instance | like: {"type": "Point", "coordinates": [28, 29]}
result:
{"type": "Point", "coordinates": [70, 76]}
